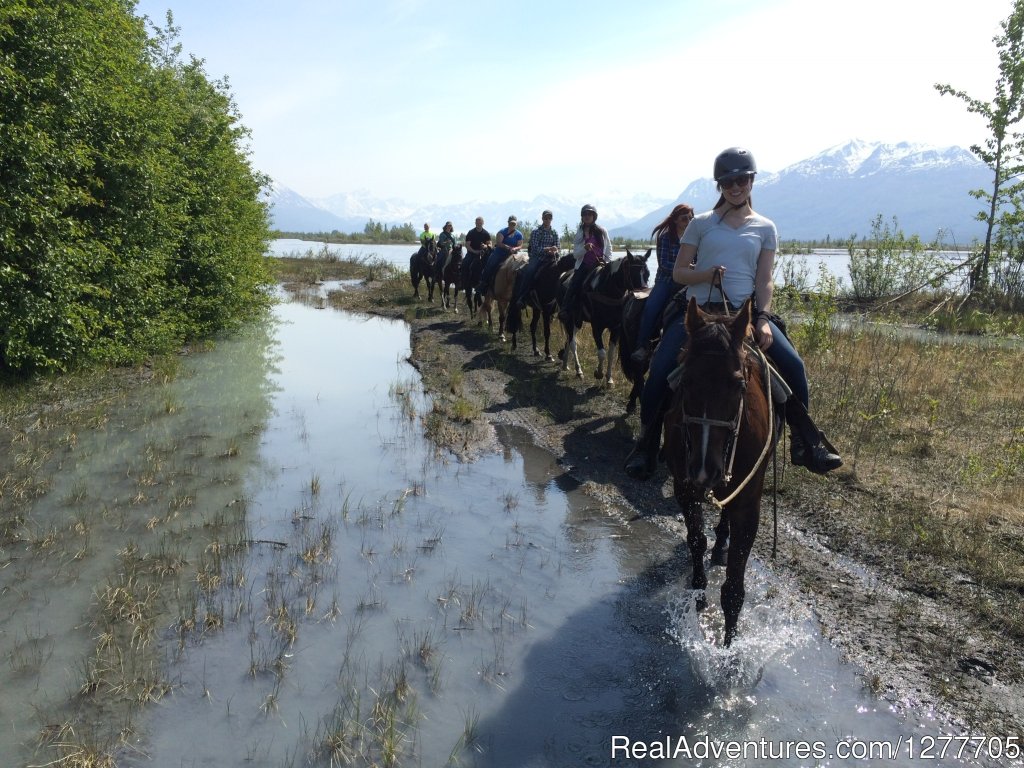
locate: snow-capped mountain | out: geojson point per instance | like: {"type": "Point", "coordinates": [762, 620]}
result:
{"type": "Point", "coordinates": [837, 193]}
{"type": "Point", "coordinates": [349, 212]}
{"type": "Point", "coordinates": [840, 191]}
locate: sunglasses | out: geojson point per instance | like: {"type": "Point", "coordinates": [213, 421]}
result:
{"type": "Point", "coordinates": [735, 181]}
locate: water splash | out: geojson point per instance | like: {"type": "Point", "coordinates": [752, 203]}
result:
{"type": "Point", "coordinates": [772, 627]}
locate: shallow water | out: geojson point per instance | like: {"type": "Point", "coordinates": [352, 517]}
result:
{"type": "Point", "coordinates": [395, 606]}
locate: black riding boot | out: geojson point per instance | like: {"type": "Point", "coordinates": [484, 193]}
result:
{"type": "Point", "coordinates": [808, 446]}
{"type": "Point", "coordinates": [643, 459]}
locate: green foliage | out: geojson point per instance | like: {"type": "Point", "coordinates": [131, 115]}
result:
{"type": "Point", "coordinates": [890, 264]}
{"type": "Point", "coordinates": [373, 232]}
{"type": "Point", "coordinates": [1003, 150]}
{"type": "Point", "coordinates": [816, 332]}
{"type": "Point", "coordinates": [130, 218]}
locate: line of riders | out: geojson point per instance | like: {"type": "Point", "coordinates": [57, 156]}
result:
{"type": "Point", "coordinates": [720, 257]}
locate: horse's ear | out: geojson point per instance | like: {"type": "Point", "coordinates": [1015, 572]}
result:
{"type": "Point", "coordinates": [694, 317]}
{"type": "Point", "coordinates": [629, 255]}
{"type": "Point", "coordinates": [648, 254]}
{"type": "Point", "coordinates": [740, 327]}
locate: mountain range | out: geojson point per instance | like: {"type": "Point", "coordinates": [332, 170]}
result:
{"type": "Point", "coordinates": [837, 193]}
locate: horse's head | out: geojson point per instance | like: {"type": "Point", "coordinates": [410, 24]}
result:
{"type": "Point", "coordinates": [712, 393]}
{"type": "Point", "coordinates": [635, 274]}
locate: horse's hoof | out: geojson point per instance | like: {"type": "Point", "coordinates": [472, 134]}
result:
{"type": "Point", "coordinates": [550, 359]}
{"type": "Point", "coordinates": [701, 601]}
{"type": "Point", "coordinates": [579, 374]}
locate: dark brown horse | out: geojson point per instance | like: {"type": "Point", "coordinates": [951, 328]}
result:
{"type": "Point", "coordinates": [719, 433]}
{"type": "Point", "coordinates": [421, 267]}
{"type": "Point", "coordinates": [472, 268]}
{"type": "Point", "coordinates": [542, 299]}
{"type": "Point", "coordinates": [600, 303]}
{"type": "Point", "coordinates": [632, 310]}
{"type": "Point", "coordinates": [447, 274]}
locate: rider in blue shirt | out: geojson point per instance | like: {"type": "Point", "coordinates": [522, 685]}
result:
{"type": "Point", "coordinates": [510, 240]}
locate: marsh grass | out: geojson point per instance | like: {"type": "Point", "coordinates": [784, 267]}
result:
{"type": "Point", "coordinates": [934, 438]}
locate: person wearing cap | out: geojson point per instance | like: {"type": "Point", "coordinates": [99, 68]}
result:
{"type": "Point", "coordinates": [727, 255]}
{"type": "Point", "coordinates": [543, 244]}
{"type": "Point", "coordinates": [509, 241]}
{"type": "Point", "coordinates": [591, 247]}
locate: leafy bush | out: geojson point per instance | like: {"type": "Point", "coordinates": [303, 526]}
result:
{"type": "Point", "coordinates": [890, 263]}
{"type": "Point", "coordinates": [130, 218]}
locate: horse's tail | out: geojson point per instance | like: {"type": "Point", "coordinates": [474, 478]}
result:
{"type": "Point", "coordinates": [514, 320]}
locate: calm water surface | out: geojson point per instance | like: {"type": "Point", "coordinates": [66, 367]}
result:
{"type": "Point", "coordinates": [394, 604]}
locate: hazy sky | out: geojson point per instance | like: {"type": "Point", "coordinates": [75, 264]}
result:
{"type": "Point", "coordinates": [443, 102]}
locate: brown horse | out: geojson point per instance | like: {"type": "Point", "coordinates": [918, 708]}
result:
{"type": "Point", "coordinates": [504, 284]}
{"type": "Point", "coordinates": [542, 299]}
{"type": "Point", "coordinates": [719, 434]}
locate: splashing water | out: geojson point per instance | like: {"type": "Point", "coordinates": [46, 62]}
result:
{"type": "Point", "coordinates": [773, 625]}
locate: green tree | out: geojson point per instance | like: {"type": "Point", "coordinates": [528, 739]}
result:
{"type": "Point", "coordinates": [130, 218]}
{"type": "Point", "coordinates": [1003, 151]}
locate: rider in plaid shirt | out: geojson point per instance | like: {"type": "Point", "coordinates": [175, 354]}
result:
{"type": "Point", "coordinates": [543, 244]}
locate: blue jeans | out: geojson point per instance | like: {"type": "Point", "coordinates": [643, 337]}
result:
{"type": "Point", "coordinates": [494, 261]}
{"type": "Point", "coordinates": [782, 354]}
{"type": "Point", "coordinates": [654, 308]}
{"type": "Point", "coordinates": [529, 272]}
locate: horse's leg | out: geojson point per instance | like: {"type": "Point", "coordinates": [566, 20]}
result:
{"type": "Point", "coordinates": [570, 350]}
{"type": "Point", "coordinates": [743, 529]}
{"type": "Point", "coordinates": [502, 313]}
{"type": "Point", "coordinates": [535, 313]}
{"type": "Point", "coordinates": [547, 336]}
{"type": "Point", "coordinates": [613, 348]}
{"type": "Point", "coordinates": [720, 552]}
{"type": "Point", "coordinates": [598, 333]}
{"type": "Point", "coordinates": [636, 391]}
{"type": "Point", "coordinates": [693, 515]}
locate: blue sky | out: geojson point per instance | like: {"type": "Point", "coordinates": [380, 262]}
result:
{"type": "Point", "coordinates": [443, 102]}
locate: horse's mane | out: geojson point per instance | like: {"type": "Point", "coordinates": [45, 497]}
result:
{"type": "Point", "coordinates": [713, 338]}
{"type": "Point", "coordinates": [705, 351]}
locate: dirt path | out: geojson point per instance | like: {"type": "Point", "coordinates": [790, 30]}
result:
{"type": "Point", "coordinates": [917, 645]}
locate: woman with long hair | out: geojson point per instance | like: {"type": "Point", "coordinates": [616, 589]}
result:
{"type": "Point", "coordinates": [666, 237]}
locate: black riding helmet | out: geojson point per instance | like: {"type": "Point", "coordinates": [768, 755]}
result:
{"type": "Point", "coordinates": [734, 161]}
{"type": "Point", "coordinates": [588, 208]}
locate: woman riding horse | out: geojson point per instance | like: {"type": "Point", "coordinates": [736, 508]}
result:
{"type": "Point", "coordinates": [732, 252]}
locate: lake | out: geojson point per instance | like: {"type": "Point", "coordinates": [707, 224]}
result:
{"type": "Point", "coordinates": [835, 261]}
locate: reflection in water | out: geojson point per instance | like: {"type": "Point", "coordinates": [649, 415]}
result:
{"type": "Point", "coordinates": [396, 607]}
{"type": "Point", "coordinates": [135, 485]}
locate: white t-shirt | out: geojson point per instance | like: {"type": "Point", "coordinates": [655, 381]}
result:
{"type": "Point", "coordinates": [735, 249]}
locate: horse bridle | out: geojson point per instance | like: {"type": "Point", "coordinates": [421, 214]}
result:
{"type": "Point", "coordinates": [706, 424]}
{"type": "Point", "coordinates": [729, 451]}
